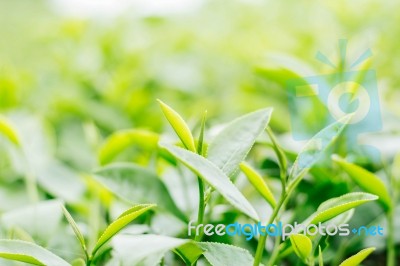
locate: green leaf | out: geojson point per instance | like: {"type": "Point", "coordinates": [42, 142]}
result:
{"type": "Point", "coordinates": [336, 206]}
{"type": "Point", "coordinates": [179, 125]}
{"type": "Point", "coordinates": [320, 258]}
{"type": "Point", "coordinates": [121, 140]}
{"type": "Point", "coordinates": [75, 228]}
{"type": "Point", "coordinates": [122, 221]}
{"type": "Point", "coordinates": [258, 182]}
{"type": "Point", "coordinates": [231, 146]}
{"type": "Point", "coordinates": [279, 153]}
{"type": "Point", "coordinates": [189, 252]}
{"type": "Point", "coordinates": [218, 254]}
{"type": "Point", "coordinates": [8, 130]}
{"type": "Point", "coordinates": [357, 258]}
{"type": "Point", "coordinates": [30, 253]}
{"type": "Point", "coordinates": [137, 185]}
{"type": "Point", "coordinates": [302, 246]}
{"type": "Point", "coordinates": [146, 250]}
{"type": "Point", "coordinates": [315, 148]}
{"type": "Point", "coordinates": [78, 262]}
{"type": "Point", "coordinates": [366, 180]}
{"type": "Point", "coordinates": [213, 176]}
{"type": "Point", "coordinates": [40, 220]}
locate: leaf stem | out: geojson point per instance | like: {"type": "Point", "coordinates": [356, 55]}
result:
{"type": "Point", "coordinates": [263, 238]}
{"type": "Point", "coordinates": [200, 214]}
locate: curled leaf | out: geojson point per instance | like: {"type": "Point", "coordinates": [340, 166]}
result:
{"type": "Point", "coordinates": [258, 182]}
{"type": "Point", "coordinates": [357, 258]}
{"type": "Point", "coordinates": [121, 140]}
{"type": "Point", "coordinates": [302, 246]}
{"type": "Point", "coordinates": [122, 221]}
{"type": "Point", "coordinates": [366, 180]}
{"type": "Point", "coordinates": [179, 125]}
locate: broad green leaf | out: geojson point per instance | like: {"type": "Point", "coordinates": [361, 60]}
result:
{"type": "Point", "coordinates": [315, 148]}
{"type": "Point", "coordinates": [366, 180]}
{"type": "Point", "coordinates": [179, 125]}
{"type": "Point", "coordinates": [357, 258]}
{"type": "Point", "coordinates": [30, 253]}
{"type": "Point", "coordinates": [231, 146]}
{"type": "Point", "coordinates": [218, 254]}
{"type": "Point", "coordinates": [320, 258]}
{"type": "Point", "coordinates": [302, 246]}
{"type": "Point", "coordinates": [121, 140]}
{"type": "Point", "coordinates": [40, 220]}
{"type": "Point", "coordinates": [8, 130]}
{"type": "Point", "coordinates": [75, 228]}
{"type": "Point", "coordinates": [213, 176]}
{"type": "Point", "coordinates": [336, 206]}
{"type": "Point", "coordinates": [120, 223]}
{"type": "Point", "coordinates": [258, 182]}
{"type": "Point", "coordinates": [137, 185]}
{"type": "Point", "coordinates": [146, 250]}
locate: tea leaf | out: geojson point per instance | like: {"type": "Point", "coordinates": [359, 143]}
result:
{"type": "Point", "coordinates": [335, 206]}
{"type": "Point", "coordinates": [279, 153]}
{"type": "Point", "coordinates": [137, 185]}
{"type": "Point", "coordinates": [315, 148]}
{"type": "Point", "coordinates": [214, 176]}
{"type": "Point", "coordinates": [179, 125]}
{"type": "Point", "coordinates": [78, 262]}
{"type": "Point", "coordinates": [258, 182]}
{"type": "Point", "coordinates": [147, 249]}
{"type": "Point", "coordinates": [366, 180]}
{"type": "Point", "coordinates": [302, 246]}
{"type": "Point", "coordinates": [218, 254]}
{"type": "Point", "coordinates": [22, 251]}
{"type": "Point", "coordinates": [233, 143]}
{"type": "Point", "coordinates": [189, 252]}
{"type": "Point", "coordinates": [120, 223]}
{"type": "Point", "coordinates": [121, 140]}
{"type": "Point", "coordinates": [75, 228]}
{"type": "Point", "coordinates": [357, 258]}
{"type": "Point", "coordinates": [9, 131]}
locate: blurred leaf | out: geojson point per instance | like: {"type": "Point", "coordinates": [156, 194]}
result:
{"type": "Point", "coordinates": [218, 254]}
{"type": "Point", "coordinates": [302, 246]}
{"type": "Point", "coordinates": [75, 228]}
{"type": "Point", "coordinates": [366, 180]}
{"type": "Point", "coordinates": [357, 258]}
{"type": "Point", "coordinates": [121, 140]}
{"type": "Point", "coordinates": [148, 250]}
{"type": "Point", "coordinates": [259, 184]}
{"type": "Point", "coordinates": [213, 176]}
{"type": "Point", "coordinates": [335, 206]}
{"type": "Point", "coordinates": [122, 221]}
{"type": "Point", "coordinates": [315, 148]}
{"type": "Point", "coordinates": [28, 252]}
{"type": "Point", "coordinates": [231, 146]}
{"type": "Point", "coordinates": [137, 185]}
{"type": "Point", "coordinates": [179, 125]}
{"type": "Point", "coordinates": [40, 220]}
{"type": "Point", "coordinates": [8, 130]}
{"type": "Point", "coordinates": [78, 262]}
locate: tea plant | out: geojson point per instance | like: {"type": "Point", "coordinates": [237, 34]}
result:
{"type": "Point", "coordinates": [153, 180]}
